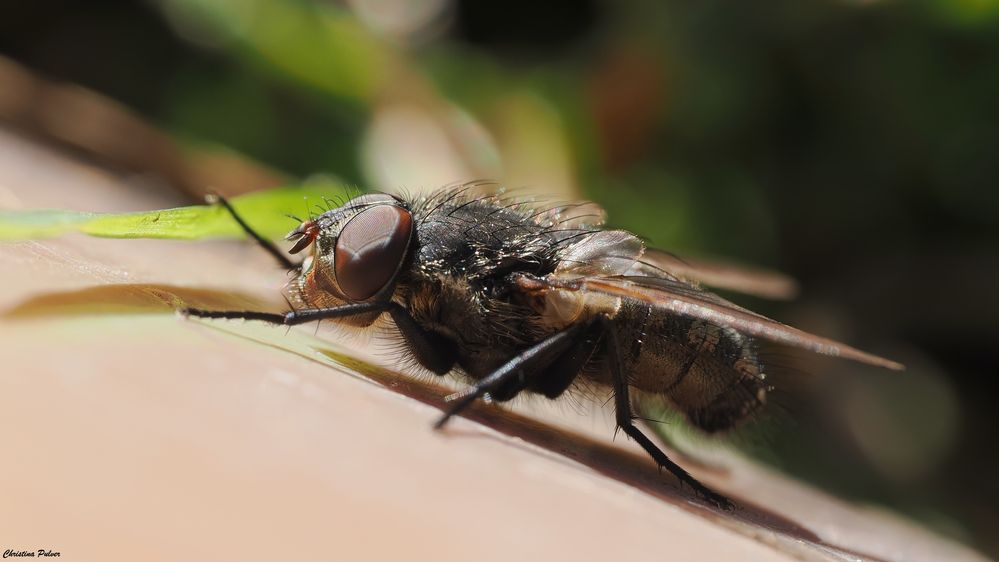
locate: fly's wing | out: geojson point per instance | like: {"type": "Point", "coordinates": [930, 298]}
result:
{"type": "Point", "coordinates": [720, 275]}
{"type": "Point", "coordinates": [598, 253]}
{"type": "Point", "coordinates": [617, 252]}
{"type": "Point", "coordinates": [681, 298]}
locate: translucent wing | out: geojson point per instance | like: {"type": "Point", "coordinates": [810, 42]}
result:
{"type": "Point", "coordinates": [616, 252]}
{"type": "Point", "coordinates": [600, 253]}
{"type": "Point", "coordinates": [681, 298]}
{"type": "Point", "coordinates": [722, 275]}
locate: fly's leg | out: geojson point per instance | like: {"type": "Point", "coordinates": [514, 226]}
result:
{"type": "Point", "coordinates": [266, 244]}
{"type": "Point", "coordinates": [552, 379]}
{"type": "Point", "coordinates": [674, 448]}
{"type": "Point", "coordinates": [625, 420]}
{"type": "Point", "coordinates": [559, 376]}
{"type": "Point", "coordinates": [431, 350]}
{"type": "Point", "coordinates": [518, 371]}
{"type": "Point", "coordinates": [295, 316]}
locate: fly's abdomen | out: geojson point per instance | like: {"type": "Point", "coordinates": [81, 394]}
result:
{"type": "Point", "coordinates": [710, 373]}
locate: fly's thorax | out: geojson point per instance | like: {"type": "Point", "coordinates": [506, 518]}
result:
{"type": "Point", "coordinates": [485, 332]}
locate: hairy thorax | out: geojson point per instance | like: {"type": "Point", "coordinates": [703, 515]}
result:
{"type": "Point", "coordinates": [485, 331]}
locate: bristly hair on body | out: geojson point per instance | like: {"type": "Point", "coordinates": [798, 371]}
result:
{"type": "Point", "coordinates": [518, 295]}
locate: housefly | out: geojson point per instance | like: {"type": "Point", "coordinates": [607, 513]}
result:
{"type": "Point", "coordinates": [517, 297]}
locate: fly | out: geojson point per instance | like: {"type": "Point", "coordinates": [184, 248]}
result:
{"type": "Point", "coordinates": [519, 298]}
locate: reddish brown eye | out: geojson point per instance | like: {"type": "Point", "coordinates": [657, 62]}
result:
{"type": "Point", "coordinates": [370, 250]}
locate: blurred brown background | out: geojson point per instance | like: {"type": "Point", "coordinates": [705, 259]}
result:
{"type": "Point", "coordinates": [851, 144]}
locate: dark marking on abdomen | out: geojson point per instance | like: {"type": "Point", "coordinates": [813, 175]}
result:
{"type": "Point", "coordinates": [708, 372]}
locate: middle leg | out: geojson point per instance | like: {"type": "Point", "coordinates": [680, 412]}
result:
{"type": "Point", "coordinates": [517, 373]}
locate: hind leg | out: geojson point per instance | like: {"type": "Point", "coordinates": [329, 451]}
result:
{"type": "Point", "coordinates": [625, 416]}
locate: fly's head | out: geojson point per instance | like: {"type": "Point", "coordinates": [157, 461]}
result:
{"type": "Point", "coordinates": [356, 252]}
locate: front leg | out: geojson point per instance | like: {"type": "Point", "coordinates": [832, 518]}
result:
{"type": "Point", "coordinates": [295, 316]}
{"type": "Point", "coordinates": [264, 243]}
{"type": "Point", "coordinates": [431, 350]}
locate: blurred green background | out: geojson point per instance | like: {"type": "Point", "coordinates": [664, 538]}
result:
{"type": "Point", "coordinates": [853, 144]}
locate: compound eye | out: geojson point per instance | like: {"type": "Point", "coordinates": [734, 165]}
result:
{"type": "Point", "coordinates": [370, 250]}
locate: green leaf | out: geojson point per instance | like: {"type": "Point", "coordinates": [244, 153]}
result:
{"type": "Point", "coordinates": [267, 212]}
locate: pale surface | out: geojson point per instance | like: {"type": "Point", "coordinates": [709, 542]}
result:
{"type": "Point", "coordinates": [129, 433]}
